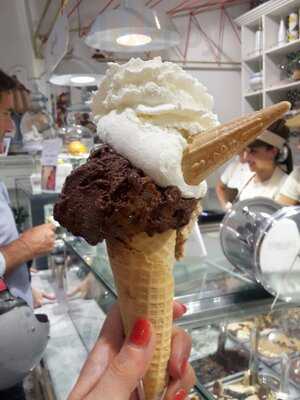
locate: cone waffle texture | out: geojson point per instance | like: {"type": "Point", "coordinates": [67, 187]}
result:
{"type": "Point", "coordinates": [210, 150]}
{"type": "Point", "coordinates": [143, 273]}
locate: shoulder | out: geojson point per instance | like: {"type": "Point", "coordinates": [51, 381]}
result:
{"type": "Point", "coordinates": [280, 175]}
{"type": "Point", "coordinates": [295, 174]}
{"type": "Point", "coordinates": [4, 196]}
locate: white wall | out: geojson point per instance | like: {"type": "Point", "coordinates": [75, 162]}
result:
{"type": "Point", "coordinates": [225, 87]}
{"type": "Point", "coordinates": [15, 44]}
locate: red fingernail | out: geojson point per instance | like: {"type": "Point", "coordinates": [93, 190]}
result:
{"type": "Point", "coordinates": [180, 395]}
{"type": "Point", "coordinates": [3, 286]}
{"type": "Point", "coordinates": [140, 334]}
{"type": "Point", "coordinates": [184, 308]}
{"type": "Point", "coordinates": [184, 366]}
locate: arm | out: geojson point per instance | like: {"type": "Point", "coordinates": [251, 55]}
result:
{"type": "Point", "coordinates": [225, 194]}
{"type": "Point", "coordinates": [33, 243]}
{"type": "Point", "coordinates": [289, 194]}
{"type": "Point", "coordinates": [286, 201]}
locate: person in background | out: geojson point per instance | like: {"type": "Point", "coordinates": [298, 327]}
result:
{"type": "Point", "coordinates": [270, 160]}
{"type": "Point", "coordinates": [289, 194]}
{"type": "Point", "coordinates": [233, 178]}
{"type": "Point", "coordinates": [16, 250]}
{"type": "Point", "coordinates": [116, 365]}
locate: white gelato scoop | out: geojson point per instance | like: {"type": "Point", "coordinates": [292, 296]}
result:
{"type": "Point", "coordinates": [146, 110]}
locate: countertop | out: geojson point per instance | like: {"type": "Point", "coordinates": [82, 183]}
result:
{"type": "Point", "coordinates": [67, 350]}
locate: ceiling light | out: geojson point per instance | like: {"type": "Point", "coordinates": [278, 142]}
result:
{"type": "Point", "coordinates": [134, 40]}
{"type": "Point", "coordinates": [74, 71]}
{"type": "Point", "coordinates": [132, 27]}
{"type": "Point", "coordinates": [83, 79]}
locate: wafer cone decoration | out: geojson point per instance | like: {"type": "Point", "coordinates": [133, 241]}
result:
{"type": "Point", "coordinates": [143, 265]}
{"type": "Point", "coordinates": [211, 149]}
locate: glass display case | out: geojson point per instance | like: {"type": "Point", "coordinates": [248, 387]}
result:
{"type": "Point", "coordinates": [235, 327]}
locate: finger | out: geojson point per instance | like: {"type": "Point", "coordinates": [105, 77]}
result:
{"type": "Point", "coordinates": [180, 352]}
{"type": "Point", "coordinates": [134, 396]}
{"type": "Point", "coordinates": [129, 366]}
{"type": "Point", "coordinates": [49, 296]}
{"type": "Point", "coordinates": [38, 302]}
{"type": "Point", "coordinates": [179, 389]}
{"type": "Point", "coordinates": [51, 226]}
{"type": "Point", "coordinates": [178, 309]}
{"type": "Point", "coordinates": [108, 345]}
{"type": "Point", "coordinates": [74, 291]}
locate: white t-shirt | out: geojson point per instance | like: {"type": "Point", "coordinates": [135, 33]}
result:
{"type": "Point", "coordinates": [291, 187]}
{"type": "Point", "coordinates": [269, 188]}
{"type": "Point", "coordinates": [236, 174]}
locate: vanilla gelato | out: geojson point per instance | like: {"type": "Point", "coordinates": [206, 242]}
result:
{"type": "Point", "coordinates": [147, 111]}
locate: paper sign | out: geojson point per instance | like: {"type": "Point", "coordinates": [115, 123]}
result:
{"type": "Point", "coordinates": [50, 152]}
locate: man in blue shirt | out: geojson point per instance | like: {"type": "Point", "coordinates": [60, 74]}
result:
{"type": "Point", "coordinates": [16, 250]}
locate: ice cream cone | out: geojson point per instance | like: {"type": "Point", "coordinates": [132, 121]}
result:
{"type": "Point", "coordinates": [211, 149]}
{"type": "Point", "coordinates": [143, 273]}
{"type": "Point", "coordinates": [143, 265]}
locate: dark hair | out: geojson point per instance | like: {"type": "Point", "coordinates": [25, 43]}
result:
{"type": "Point", "coordinates": [6, 82]}
{"type": "Point", "coordinates": [284, 156]}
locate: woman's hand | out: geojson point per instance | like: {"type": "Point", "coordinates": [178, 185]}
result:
{"type": "Point", "coordinates": [115, 365]}
{"type": "Point", "coordinates": [40, 297]}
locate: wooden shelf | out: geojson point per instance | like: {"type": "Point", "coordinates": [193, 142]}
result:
{"type": "Point", "coordinates": [283, 86]}
{"type": "Point", "coordinates": [285, 48]}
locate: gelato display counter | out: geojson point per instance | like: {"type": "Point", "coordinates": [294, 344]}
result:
{"type": "Point", "coordinates": [243, 347]}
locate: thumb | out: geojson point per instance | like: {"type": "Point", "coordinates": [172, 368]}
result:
{"type": "Point", "coordinates": [128, 366]}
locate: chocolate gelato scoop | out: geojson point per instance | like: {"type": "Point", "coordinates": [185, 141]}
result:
{"type": "Point", "coordinates": [109, 198]}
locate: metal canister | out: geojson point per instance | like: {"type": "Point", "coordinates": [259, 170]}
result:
{"type": "Point", "coordinates": [293, 31]}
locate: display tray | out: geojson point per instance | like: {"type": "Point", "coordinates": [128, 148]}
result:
{"type": "Point", "coordinates": [220, 364]}
{"type": "Point", "coordinates": [294, 372]}
{"type": "Point", "coordinates": [277, 335]}
{"type": "Point", "coordinates": [237, 387]}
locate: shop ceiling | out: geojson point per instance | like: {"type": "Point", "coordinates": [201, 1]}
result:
{"type": "Point", "coordinates": [82, 13]}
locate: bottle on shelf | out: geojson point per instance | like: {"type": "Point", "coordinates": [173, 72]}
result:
{"type": "Point", "coordinates": [258, 41]}
{"type": "Point", "coordinates": [293, 31]}
{"type": "Point", "coordinates": [282, 34]}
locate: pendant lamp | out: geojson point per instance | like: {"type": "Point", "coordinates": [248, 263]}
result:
{"type": "Point", "coordinates": [75, 71]}
{"type": "Point", "coordinates": [132, 27]}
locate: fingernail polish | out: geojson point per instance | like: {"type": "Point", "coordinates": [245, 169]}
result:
{"type": "Point", "coordinates": [184, 308]}
{"type": "Point", "coordinates": [184, 365]}
{"type": "Point", "coordinates": [180, 395]}
{"type": "Point", "coordinates": [140, 334]}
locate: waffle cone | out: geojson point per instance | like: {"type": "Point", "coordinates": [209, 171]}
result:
{"type": "Point", "coordinates": [210, 150]}
{"type": "Point", "coordinates": [143, 273]}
